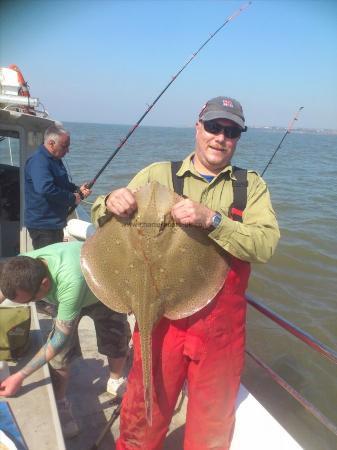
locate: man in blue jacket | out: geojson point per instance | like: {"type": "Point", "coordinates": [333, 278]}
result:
{"type": "Point", "coordinates": [48, 192]}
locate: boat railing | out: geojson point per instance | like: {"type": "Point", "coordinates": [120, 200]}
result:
{"type": "Point", "coordinates": [27, 105]}
{"type": "Point", "coordinates": [312, 342]}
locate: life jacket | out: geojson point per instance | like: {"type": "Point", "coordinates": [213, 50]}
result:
{"type": "Point", "coordinates": [23, 89]}
{"type": "Point", "coordinates": [12, 82]}
{"type": "Point", "coordinates": [239, 189]}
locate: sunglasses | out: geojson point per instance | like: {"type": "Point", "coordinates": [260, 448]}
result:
{"type": "Point", "coordinates": [231, 132]}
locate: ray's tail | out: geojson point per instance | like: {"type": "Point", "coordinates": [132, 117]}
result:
{"type": "Point", "coordinates": [146, 351]}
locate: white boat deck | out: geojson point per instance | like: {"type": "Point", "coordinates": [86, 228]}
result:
{"type": "Point", "coordinates": [255, 428]}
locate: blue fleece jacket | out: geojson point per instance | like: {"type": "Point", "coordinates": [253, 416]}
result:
{"type": "Point", "coordinates": [48, 191]}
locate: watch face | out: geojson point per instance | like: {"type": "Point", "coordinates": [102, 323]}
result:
{"type": "Point", "coordinates": [216, 220]}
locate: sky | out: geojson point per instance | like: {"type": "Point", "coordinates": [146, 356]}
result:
{"type": "Point", "coordinates": [105, 61]}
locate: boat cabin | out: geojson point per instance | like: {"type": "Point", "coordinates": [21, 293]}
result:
{"type": "Point", "coordinates": [22, 129]}
{"type": "Point", "coordinates": [20, 135]}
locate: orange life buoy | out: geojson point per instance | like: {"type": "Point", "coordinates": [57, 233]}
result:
{"type": "Point", "coordinates": [23, 90]}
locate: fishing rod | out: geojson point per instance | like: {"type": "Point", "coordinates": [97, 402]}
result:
{"type": "Point", "coordinates": [133, 128]}
{"type": "Point", "coordinates": [114, 416]}
{"type": "Point", "coordinates": [285, 134]}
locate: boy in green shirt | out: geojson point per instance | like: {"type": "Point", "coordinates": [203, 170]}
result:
{"type": "Point", "coordinates": [54, 273]}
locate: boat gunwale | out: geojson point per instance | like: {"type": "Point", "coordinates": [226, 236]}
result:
{"type": "Point", "coordinates": [309, 340]}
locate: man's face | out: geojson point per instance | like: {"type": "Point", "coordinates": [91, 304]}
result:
{"type": "Point", "coordinates": [24, 297]}
{"type": "Point", "coordinates": [213, 151]}
{"type": "Point", "coordinates": [59, 147]}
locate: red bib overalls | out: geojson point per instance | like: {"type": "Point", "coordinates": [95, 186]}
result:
{"type": "Point", "coordinates": [207, 349]}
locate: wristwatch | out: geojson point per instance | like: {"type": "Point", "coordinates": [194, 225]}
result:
{"type": "Point", "coordinates": [216, 219]}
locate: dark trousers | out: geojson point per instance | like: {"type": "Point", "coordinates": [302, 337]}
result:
{"type": "Point", "coordinates": [41, 238]}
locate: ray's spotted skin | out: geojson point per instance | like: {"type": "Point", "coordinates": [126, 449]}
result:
{"type": "Point", "coordinates": [152, 267]}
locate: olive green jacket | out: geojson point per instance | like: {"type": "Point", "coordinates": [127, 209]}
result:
{"type": "Point", "coordinates": [254, 240]}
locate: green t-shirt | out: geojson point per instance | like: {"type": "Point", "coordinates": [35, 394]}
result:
{"type": "Point", "coordinates": [69, 291]}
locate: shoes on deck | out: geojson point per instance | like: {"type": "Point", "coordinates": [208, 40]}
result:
{"type": "Point", "coordinates": [116, 387]}
{"type": "Point", "coordinates": [69, 425]}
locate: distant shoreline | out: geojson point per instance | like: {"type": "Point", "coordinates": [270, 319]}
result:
{"type": "Point", "coordinates": [263, 128]}
{"type": "Point", "coordinates": [298, 130]}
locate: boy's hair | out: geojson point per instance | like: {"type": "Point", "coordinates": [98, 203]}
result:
{"type": "Point", "coordinates": [21, 272]}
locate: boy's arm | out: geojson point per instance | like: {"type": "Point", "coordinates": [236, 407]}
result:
{"type": "Point", "coordinates": [54, 345]}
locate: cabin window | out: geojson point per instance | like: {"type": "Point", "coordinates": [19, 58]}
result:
{"type": "Point", "coordinates": [9, 195]}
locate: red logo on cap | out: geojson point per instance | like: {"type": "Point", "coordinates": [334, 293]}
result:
{"type": "Point", "coordinates": [228, 103]}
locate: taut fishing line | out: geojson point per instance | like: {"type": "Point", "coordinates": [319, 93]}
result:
{"type": "Point", "coordinates": [133, 128]}
{"type": "Point", "coordinates": [284, 136]}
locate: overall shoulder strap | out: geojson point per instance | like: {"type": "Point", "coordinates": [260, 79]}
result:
{"type": "Point", "coordinates": [178, 182]}
{"type": "Point", "coordinates": [239, 193]}
{"type": "Point", "coordinates": [239, 188]}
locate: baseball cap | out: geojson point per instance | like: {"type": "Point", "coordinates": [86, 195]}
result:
{"type": "Point", "coordinates": [223, 108]}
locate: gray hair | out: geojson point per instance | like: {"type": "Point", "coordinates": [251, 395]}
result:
{"type": "Point", "coordinates": [54, 132]}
